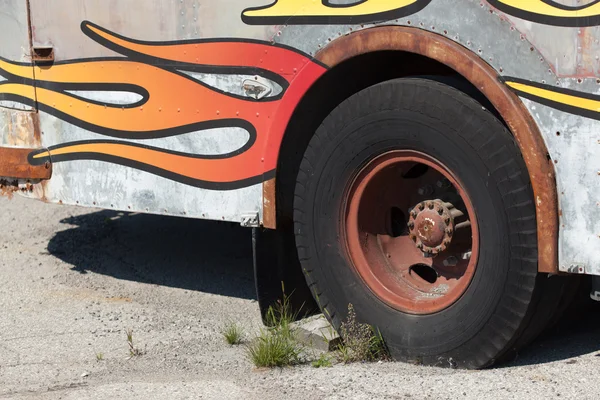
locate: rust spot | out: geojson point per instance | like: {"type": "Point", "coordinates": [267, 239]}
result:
{"type": "Point", "coordinates": [9, 187]}
{"type": "Point", "coordinates": [269, 204]}
{"type": "Point", "coordinates": [14, 164]}
{"type": "Point", "coordinates": [44, 54]}
{"type": "Point", "coordinates": [37, 133]}
{"type": "Point", "coordinates": [483, 76]}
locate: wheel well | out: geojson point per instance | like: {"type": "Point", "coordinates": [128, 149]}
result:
{"type": "Point", "coordinates": [335, 86]}
{"type": "Point", "coordinates": [338, 84]}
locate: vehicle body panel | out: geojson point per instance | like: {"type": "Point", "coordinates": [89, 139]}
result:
{"type": "Point", "coordinates": [179, 72]}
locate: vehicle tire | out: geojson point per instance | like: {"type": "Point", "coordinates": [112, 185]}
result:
{"type": "Point", "coordinates": [398, 154]}
{"type": "Point", "coordinates": [553, 299]}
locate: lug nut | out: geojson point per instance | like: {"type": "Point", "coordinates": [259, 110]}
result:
{"type": "Point", "coordinates": [411, 225]}
{"type": "Point", "coordinates": [425, 190]}
{"type": "Point", "coordinates": [447, 220]}
{"type": "Point", "coordinates": [430, 205]}
{"type": "Point", "coordinates": [444, 183]}
{"type": "Point", "coordinates": [420, 246]}
{"type": "Point", "coordinates": [450, 261]}
{"type": "Point", "coordinates": [449, 231]}
{"type": "Point", "coordinates": [414, 214]}
{"type": "Point", "coordinates": [421, 206]}
{"type": "Point", "coordinates": [413, 237]}
{"type": "Point", "coordinates": [440, 210]}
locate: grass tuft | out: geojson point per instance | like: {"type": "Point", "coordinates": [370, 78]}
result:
{"type": "Point", "coordinates": [360, 342]}
{"type": "Point", "coordinates": [99, 356]}
{"type": "Point", "coordinates": [233, 333]}
{"type": "Point", "coordinates": [274, 349]}
{"type": "Point", "coordinates": [323, 361]}
{"type": "Point", "coordinates": [133, 351]}
{"type": "Point", "coordinates": [277, 346]}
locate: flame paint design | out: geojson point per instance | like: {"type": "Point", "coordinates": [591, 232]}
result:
{"type": "Point", "coordinates": [172, 103]}
{"type": "Point", "coordinates": [567, 100]}
{"type": "Point", "coordinates": [550, 12]}
{"type": "Point", "coordinates": [308, 12]}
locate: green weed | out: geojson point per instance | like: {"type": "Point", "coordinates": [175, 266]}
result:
{"type": "Point", "coordinates": [233, 333]}
{"type": "Point", "coordinates": [133, 350]}
{"type": "Point", "coordinates": [323, 361]}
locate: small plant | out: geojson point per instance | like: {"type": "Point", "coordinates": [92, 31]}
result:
{"type": "Point", "coordinates": [277, 346]}
{"type": "Point", "coordinates": [323, 361]}
{"type": "Point", "coordinates": [99, 356]}
{"type": "Point", "coordinates": [233, 333]}
{"type": "Point", "coordinates": [360, 342]}
{"type": "Point", "coordinates": [280, 315]}
{"type": "Point", "coordinates": [133, 351]}
{"type": "Point", "coordinates": [274, 349]}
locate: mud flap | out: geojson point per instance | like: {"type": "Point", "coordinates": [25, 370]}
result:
{"type": "Point", "coordinates": [277, 271]}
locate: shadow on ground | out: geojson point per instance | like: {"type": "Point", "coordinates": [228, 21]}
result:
{"type": "Point", "coordinates": [578, 333]}
{"type": "Point", "coordinates": [206, 256]}
{"type": "Point", "coordinates": [216, 257]}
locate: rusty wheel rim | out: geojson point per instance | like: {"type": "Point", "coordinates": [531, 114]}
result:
{"type": "Point", "coordinates": [411, 232]}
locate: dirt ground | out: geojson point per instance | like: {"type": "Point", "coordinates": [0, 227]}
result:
{"type": "Point", "coordinates": [73, 280]}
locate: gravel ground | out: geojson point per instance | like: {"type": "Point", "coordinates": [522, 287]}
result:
{"type": "Point", "coordinates": [73, 280]}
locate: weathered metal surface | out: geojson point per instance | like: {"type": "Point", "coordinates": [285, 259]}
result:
{"type": "Point", "coordinates": [482, 76]}
{"type": "Point", "coordinates": [14, 42]}
{"type": "Point", "coordinates": [14, 163]}
{"type": "Point", "coordinates": [411, 273]}
{"type": "Point", "coordinates": [221, 189]}
{"type": "Point", "coordinates": [534, 42]}
{"type": "Point", "coordinates": [19, 128]}
{"type": "Point", "coordinates": [269, 206]}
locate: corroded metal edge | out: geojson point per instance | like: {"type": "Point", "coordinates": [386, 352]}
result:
{"type": "Point", "coordinates": [487, 80]}
{"type": "Point", "coordinates": [14, 164]}
{"type": "Point", "coordinates": [269, 218]}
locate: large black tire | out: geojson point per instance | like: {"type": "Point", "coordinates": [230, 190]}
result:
{"type": "Point", "coordinates": [441, 121]}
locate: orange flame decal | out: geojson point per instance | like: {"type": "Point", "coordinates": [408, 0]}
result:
{"type": "Point", "coordinates": [172, 103]}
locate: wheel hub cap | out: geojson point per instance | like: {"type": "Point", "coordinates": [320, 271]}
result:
{"type": "Point", "coordinates": [431, 226]}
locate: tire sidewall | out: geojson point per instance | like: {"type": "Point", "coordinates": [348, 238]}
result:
{"type": "Point", "coordinates": [353, 140]}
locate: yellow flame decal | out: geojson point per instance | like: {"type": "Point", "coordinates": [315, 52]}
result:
{"type": "Point", "coordinates": [325, 12]}
{"type": "Point", "coordinates": [551, 12]}
{"type": "Point", "coordinates": [567, 100]}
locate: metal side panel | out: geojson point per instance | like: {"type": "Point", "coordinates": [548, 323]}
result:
{"type": "Point", "coordinates": [162, 126]}
{"type": "Point", "coordinates": [14, 46]}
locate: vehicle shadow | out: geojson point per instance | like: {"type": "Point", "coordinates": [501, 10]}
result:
{"type": "Point", "coordinates": [206, 256]}
{"type": "Point", "coordinates": [216, 257]}
{"type": "Point", "coordinates": [575, 335]}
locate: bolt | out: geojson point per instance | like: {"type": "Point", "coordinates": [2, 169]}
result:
{"type": "Point", "coordinates": [450, 261]}
{"type": "Point", "coordinates": [443, 183]}
{"type": "Point", "coordinates": [425, 190]}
